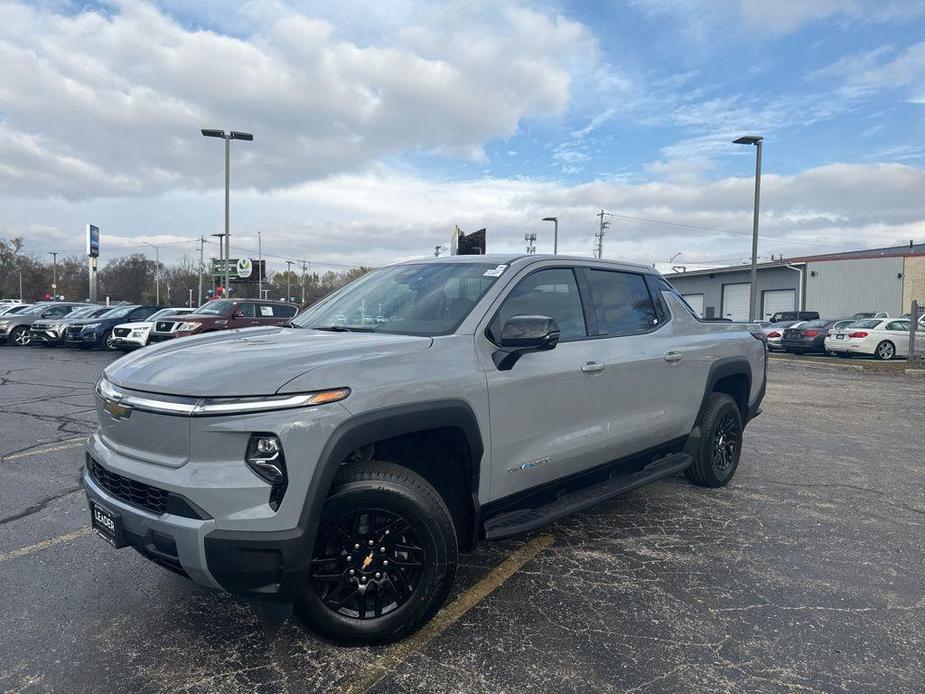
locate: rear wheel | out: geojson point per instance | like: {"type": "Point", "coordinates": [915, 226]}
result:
{"type": "Point", "coordinates": [20, 337]}
{"type": "Point", "coordinates": [717, 455]}
{"type": "Point", "coordinates": [885, 351]}
{"type": "Point", "coordinates": [384, 558]}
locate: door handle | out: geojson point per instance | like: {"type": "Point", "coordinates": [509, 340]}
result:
{"type": "Point", "coordinates": [593, 367]}
{"type": "Point", "coordinates": [673, 357]}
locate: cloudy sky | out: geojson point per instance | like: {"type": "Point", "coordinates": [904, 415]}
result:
{"type": "Point", "coordinates": [379, 126]}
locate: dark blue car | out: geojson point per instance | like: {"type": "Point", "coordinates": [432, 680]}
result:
{"type": "Point", "coordinates": [97, 332]}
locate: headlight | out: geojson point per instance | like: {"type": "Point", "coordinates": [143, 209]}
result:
{"type": "Point", "coordinates": [265, 457]}
{"type": "Point", "coordinates": [213, 406]}
{"type": "Point", "coordinates": [5, 323]}
{"type": "Point", "coordinates": [188, 326]}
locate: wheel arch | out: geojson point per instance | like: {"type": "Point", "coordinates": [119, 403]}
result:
{"type": "Point", "coordinates": [732, 376]}
{"type": "Point", "coordinates": [450, 424]}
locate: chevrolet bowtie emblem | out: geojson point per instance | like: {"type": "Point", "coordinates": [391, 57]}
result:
{"type": "Point", "coordinates": [117, 410]}
{"type": "Point", "coordinates": [367, 561]}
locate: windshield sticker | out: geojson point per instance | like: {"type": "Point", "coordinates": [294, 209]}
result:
{"type": "Point", "coordinates": [266, 310]}
{"type": "Point", "coordinates": [495, 272]}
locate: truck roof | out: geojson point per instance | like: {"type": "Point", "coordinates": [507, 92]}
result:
{"type": "Point", "coordinates": [508, 259]}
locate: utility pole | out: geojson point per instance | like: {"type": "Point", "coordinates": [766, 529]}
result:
{"type": "Point", "coordinates": [555, 233]}
{"type": "Point", "coordinates": [259, 264]}
{"type": "Point", "coordinates": [157, 272]}
{"type": "Point", "coordinates": [54, 275]}
{"type": "Point", "coordinates": [531, 242]}
{"type": "Point", "coordinates": [288, 279]}
{"type": "Point", "coordinates": [202, 244]}
{"type": "Point", "coordinates": [599, 236]}
{"type": "Point", "coordinates": [755, 140]}
{"type": "Point", "coordinates": [304, 264]}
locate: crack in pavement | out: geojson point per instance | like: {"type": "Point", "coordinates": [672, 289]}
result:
{"type": "Point", "coordinates": [39, 506]}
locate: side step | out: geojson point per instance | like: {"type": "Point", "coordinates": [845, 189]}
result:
{"type": "Point", "coordinates": [524, 520]}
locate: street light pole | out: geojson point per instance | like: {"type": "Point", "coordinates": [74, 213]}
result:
{"type": "Point", "coordinates": [221, 262]}
{"type": "Point", "coordinates": [54, 275]}
{"type": "Point", "coordinates": [228, 137]}
{"type": "Point", "coordinates": [157, 272]}
{"type": "Point", "coordinates": [555, 233]}
{"type": "Point", "coordinates": [753, 299]}
{"type": "Point", "coordinates": [288, 278]}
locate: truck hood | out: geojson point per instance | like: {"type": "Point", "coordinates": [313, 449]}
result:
{"type": "Point", "coordinates": [251, 361]}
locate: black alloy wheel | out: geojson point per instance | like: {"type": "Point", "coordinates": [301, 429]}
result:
{"type": "Point", "coordinates": [725, 441]}
{"type": "Point", "coordinates": [369, 563]}
{"type": "Point", "coordinates": [384, 556]}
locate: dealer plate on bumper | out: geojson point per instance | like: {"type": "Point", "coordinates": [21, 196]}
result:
{"type": "Point", "coordinates": [107, 525]}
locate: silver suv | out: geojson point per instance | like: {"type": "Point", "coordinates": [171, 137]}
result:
{"type": "Point", "coordinates": [340, 462]}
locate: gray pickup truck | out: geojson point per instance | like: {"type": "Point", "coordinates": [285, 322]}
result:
{"type": "Point", "coordinates": [340, 462]}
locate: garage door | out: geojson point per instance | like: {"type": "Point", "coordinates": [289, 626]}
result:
{"type": "Point", "coordinates": [696, 302]}
{"type": "Point", "coordinates": [778, 300]}
{"type": "Point", "coordinates": [735, 301]}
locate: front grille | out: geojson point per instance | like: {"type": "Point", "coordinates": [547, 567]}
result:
{"type": "Point", "coordinates": [163, 326]}
{"type": "Point", "coordinates": [74, 330]}
{"type": "Point", "coordinates": [128, 490]}
{"type": "Point", "coordinates": [121, 332]}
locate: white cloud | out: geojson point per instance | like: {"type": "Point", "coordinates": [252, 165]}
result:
{"type": "Point", "coordinates": [869, 72]}
{"type": "Point", "coordinates": [98, 104]}
{"type": "Point", "coordinates": [384, 215]}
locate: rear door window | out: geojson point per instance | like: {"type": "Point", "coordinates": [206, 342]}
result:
{"type": "Point", "coordinates": [279, 311]}
{"type": "Point", "coordinates": [247, 310]}
{"type": "Point", "coordinates": [622, 302]}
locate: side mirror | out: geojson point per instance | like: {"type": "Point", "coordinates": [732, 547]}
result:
{"type": "Point", "coordinates": [523, 334]}
{"type": "Point", "coordinates": [238, 313]}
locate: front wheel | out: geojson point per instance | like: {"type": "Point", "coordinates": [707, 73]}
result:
{"type": "Point", "coordinates": [885, 351]}
{"type": "Point", "coordinates": [717, 455]}
{"type": "Point", "coordinates": [21, 337]}
{"type": "Point", "coordinates": [384, 558]}
{"type": "Point", "coordinates": [108, 342]}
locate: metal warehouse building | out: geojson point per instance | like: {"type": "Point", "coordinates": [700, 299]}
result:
{"type": "Point", "coordinates": [835, 285]}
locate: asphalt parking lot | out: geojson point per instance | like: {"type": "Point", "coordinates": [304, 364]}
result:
{"type": "Point", "coordinates": [805, 574]}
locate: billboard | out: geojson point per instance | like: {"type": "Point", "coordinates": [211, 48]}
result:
{"type": "Point", "coordinates": [241, 270]}
{"type": "Point", "coordinates": [93, 241]}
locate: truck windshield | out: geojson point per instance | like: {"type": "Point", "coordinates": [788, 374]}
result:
{"type": "Point", "coordinates": [421, 299]}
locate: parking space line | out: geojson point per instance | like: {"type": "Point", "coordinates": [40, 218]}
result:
{"type": "Point", "coordinates": [396, 654]}
{"type": "Point", "coordinates": [59, 446]}
{"type": "Point", "coordinates": [44, 544]}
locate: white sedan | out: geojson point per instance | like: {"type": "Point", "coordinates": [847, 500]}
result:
{"type": "Point", "coordinates": [883, 338]}
{"type": "Point", "coordinates": [128, 335]}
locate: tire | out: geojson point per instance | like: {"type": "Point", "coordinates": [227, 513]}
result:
{"type": "Point", "coordinates": [20, 337]}
{"type": "Point", "coordinates": [369, 499]}
{"type": "Point", "coordinates": [714, 466]}
{"type": "Point", "coordinates": [107, 342]}
{"type": "Point", "coordinates": [885, 351]}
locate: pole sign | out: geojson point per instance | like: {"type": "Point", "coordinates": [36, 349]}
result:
{"type": "Point", "coordinates": [241, 270]}
{"type": "Point", "coordinates": [93, 241]}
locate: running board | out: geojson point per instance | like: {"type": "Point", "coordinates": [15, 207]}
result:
{"type": "Point", "coordinates": [524, 520]}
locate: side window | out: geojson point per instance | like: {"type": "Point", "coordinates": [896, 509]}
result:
{"type": "Point", "coordinates": [552, 293]}
{"type": "Point", "coordinates": [622, 302]}
{"type": "Point", "coordinates": [898, 325]}
{"type": "Point", "coordinates": [664, 286]}
{"type": "Point", "coordinates": [247, 309]}
{"type": "Point", "coordinates": [281, 311]}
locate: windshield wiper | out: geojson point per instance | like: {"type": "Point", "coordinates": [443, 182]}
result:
{"type": "Point", "coordinates": [345, 329]}
{"type": "Point", "coordinates": [290, 324]}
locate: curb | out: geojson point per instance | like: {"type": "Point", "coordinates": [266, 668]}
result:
{"type": "Point", "coordinates": [898, 367]}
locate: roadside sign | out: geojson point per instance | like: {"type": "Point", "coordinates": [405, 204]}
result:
{"type": "Point", "coordinates": [93, 241]}
{"type": "Point", "coordinates": [241, 270]}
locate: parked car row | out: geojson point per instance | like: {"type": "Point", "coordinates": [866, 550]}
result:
{"type": "Point", "coordinates": [881, 337]}
{"type": "Point", "coordinates": [130, 326]}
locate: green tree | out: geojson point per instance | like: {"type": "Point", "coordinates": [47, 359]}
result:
{"type": "Point", "coordinates": [130, 278]}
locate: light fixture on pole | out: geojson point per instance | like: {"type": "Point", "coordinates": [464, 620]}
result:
{"type": "Point", "coordinates": [753, 299]}
{"type": "Point", "coordinates": [157, 272]}
{"type": "Point", "coordinates": [227, 137]}
{"type": "Point", "coordinates": [555, 233]}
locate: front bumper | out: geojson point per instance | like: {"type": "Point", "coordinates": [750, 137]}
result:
{"type": "Point", "coordinates": [239, 544]}
{"type": "Point", "coordinates": [169, 540]}
{"type": "Point", "coordinates": [44, 336]}
{"type": "Point", "coordinates": [82, 338]}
